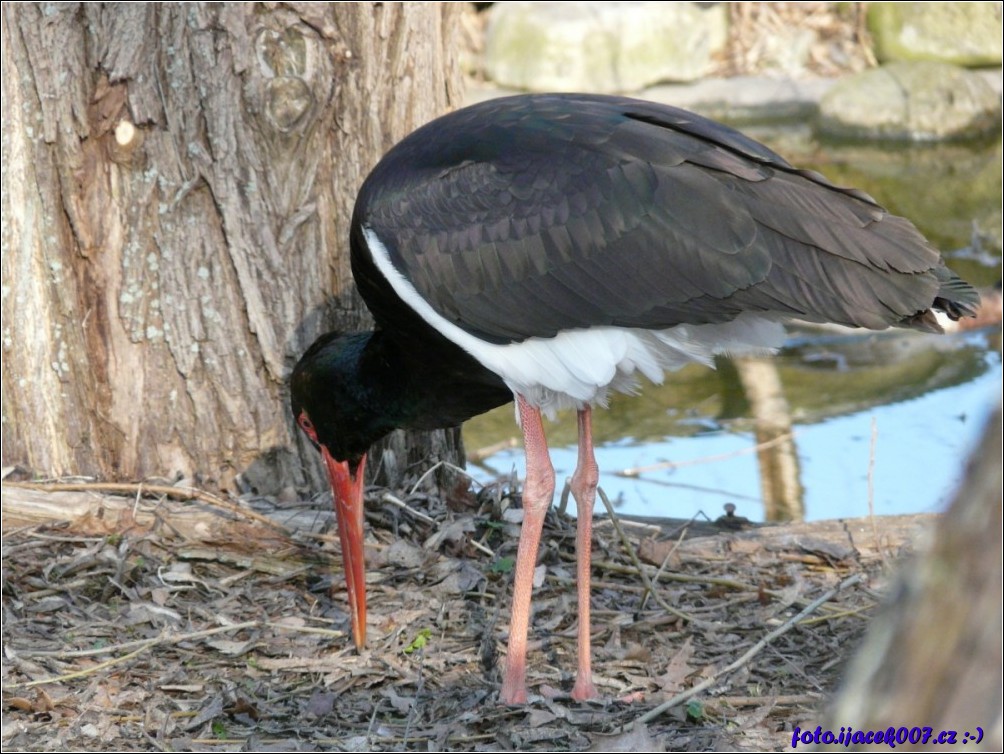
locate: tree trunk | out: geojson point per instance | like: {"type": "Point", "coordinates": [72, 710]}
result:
{"type": "Point", "coordinates": [933, 656]}
{"type": "Point", "coordinates": [177, 188]}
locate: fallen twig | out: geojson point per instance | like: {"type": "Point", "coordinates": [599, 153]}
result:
{"type": "Point", "coordinates": [397, 502]}
{"type": "Point", "coordinates": [436, 467]}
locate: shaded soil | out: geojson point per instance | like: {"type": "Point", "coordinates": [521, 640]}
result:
{"type": "Point", "coordinates": [144, 636]}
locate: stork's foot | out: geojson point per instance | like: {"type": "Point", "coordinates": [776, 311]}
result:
{"type": "Point", "coordinates": [513, 690]}
{"type": "Point", "coordinates": [584, 689]}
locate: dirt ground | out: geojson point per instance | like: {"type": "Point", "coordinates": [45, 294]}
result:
{"type": "Point", "coordinates": [150, 623]}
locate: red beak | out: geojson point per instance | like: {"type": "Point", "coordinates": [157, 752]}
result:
{"type": "Point", "coordinates": [347, 489]}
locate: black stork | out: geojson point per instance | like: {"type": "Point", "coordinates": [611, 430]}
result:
{"type": "Point", "coordinates": [545, 249]}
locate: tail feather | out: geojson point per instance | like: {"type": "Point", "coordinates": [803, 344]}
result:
{"type": "Point", "coordinates": [956, 297]}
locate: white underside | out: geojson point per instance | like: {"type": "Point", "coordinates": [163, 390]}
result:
{"type": "Point", "coordinates": [577, 367]}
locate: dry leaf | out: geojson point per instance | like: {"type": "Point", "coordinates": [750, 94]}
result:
{"type": "Point", "coordinates": [674, 678]}
{"type": "Point", "coordinates": [539, 574]}
{"type": "Point", "coordinates": [540, 717]}
{"type": "Point", "coordinates": [229, 647]}
{"type": "Point", "coordinates": [402, 704]}
{"type": "Point", "coordinates": [404, 554]}
{"type": "Point", "coordinates": [455, 531]}
{"type": "Point", "coordinates": [148, 612]}
{"type": "Point", "coordinates": [320, 705]}
{"type": "Point", "coordinates": [19, 703]}
{"type": "Point", "coordinates": [636, 738]}
{"type": "Point", "coordinates": [462, 577]}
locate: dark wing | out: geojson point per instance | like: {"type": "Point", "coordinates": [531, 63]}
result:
{"type": "Point", "coordinates": [530, 215]}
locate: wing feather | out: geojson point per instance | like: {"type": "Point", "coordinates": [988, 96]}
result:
{"type": "Point", "coordinates": [525, 217]}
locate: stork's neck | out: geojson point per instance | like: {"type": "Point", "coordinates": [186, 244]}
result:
{"type": "Point", "coordinates": [428, 382]}
{"type": "Point", "coordinates": [421, 384]}
{"type": "Point", "coordinates": [356, 388]}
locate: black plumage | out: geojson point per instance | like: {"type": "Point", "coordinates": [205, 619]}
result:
{"type": "Point", "coordinates": [525, 216]}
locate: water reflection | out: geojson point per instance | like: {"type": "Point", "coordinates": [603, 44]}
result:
{"type": "Point", "coordinates": [661, 454]}
{"type": "Point", "coordinates": [780, 474]}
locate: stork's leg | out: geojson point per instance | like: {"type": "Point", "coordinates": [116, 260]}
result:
{"type": "Point", "coordinates": [584, 490]}
{"type": "Point", "coordinates": [537, 494]}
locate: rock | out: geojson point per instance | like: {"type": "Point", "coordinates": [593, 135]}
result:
{"type": "Point", "coordinates": [914, 101]}
{"type": "Point", "coordinates": [602, 46]}
{"type": "Point", "coordinates": [746, 99]}
{"type": "Point", "coordinates": [968, 34]}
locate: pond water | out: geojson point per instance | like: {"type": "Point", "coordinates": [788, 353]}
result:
{"type": "Point", "coordinates": [880, 421]}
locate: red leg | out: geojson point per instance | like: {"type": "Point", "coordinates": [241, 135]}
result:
{"type": "Point", "coordinates": [537, 494]}
{"type": "Point", "coordinates": [584, 482]}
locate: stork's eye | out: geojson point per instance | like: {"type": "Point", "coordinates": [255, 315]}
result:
{"type": "Point", "coordinates": [306, 425]}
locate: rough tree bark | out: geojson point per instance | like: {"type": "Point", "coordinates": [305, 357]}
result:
{"type": "Point", "coordinates": [178, 181]}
